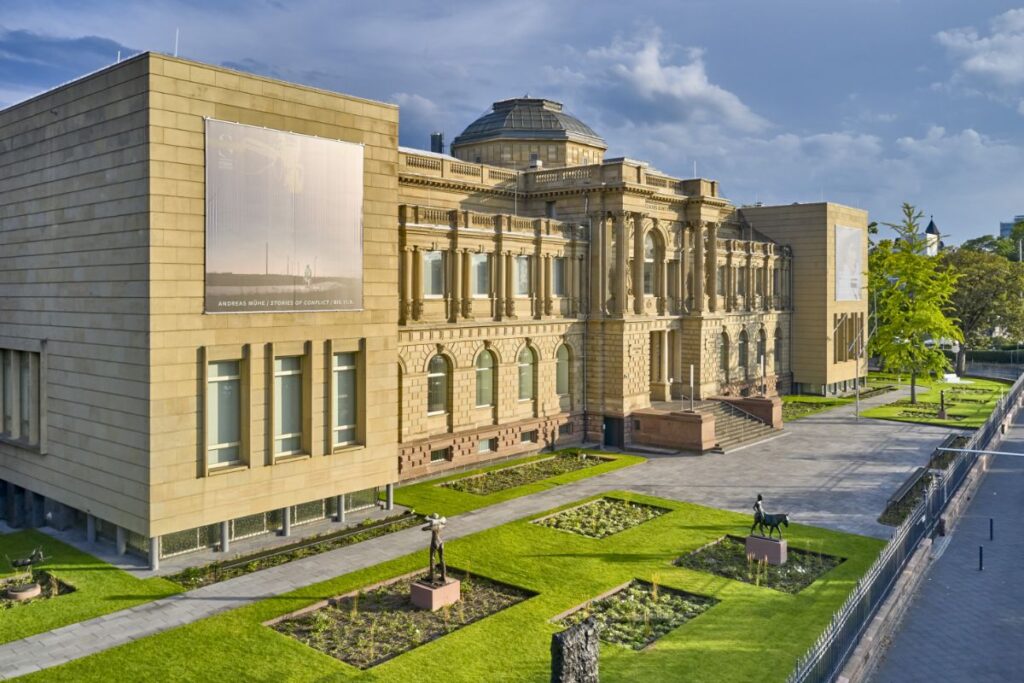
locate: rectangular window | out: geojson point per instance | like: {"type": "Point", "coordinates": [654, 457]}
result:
{"type": "Point", "coordinates": [487, 445]}
{"type": "Point", "coordinates": [528, 437]}
{"type": "Point", "coordinates": [20, 395]}
{"type": "Point", "coordinates": [720, 280]}
{"type": "Point", "coordinates": [522, 276]}
{"type": "Point", "coordinates": [481, 267]}
{"type": "Point", "coordinates": [345, 399]}
{"type": "Point", "coordinates": [759, 281]}
{"type": "Point", "coordinates": [550, 209]}
{"type": "Point", "coordinates": [565, 428]}
{"type": "Point", "coordinates": [287, 405]}
{"type": "Point", "coordinates": [742, 284]}
{"type": "Point", "coordinates": [433, 273]}
{"type": "Point", "coordinates": [224, 413]}
{"type": "Point", "coordinates": [6, 391]}
{"type": "Point", "coordinates": [558, 276]}
{"type": "Point", "coordinates": [440, 454]}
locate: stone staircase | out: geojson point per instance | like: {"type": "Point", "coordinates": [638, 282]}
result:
{"type": "Point", "coordinates": [734, 427]}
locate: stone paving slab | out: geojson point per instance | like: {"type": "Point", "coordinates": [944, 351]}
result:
{"type": "Point", "coordinates": [829, 470]}
{"type": "Point", "coordinates": [965, 624]}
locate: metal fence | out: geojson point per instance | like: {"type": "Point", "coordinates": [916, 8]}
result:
{"type": "Point", "coordinates": [826, 658]}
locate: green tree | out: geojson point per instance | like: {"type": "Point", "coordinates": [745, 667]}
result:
{"type": "Point", "coordinates": [913, 294]}
{"type": "Point", "coordinates": [989, 298]}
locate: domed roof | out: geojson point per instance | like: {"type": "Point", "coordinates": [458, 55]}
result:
{"type": "Point", "coordinates": [528, 118]}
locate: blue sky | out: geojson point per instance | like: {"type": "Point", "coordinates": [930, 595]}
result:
{"type": "Point", "coordinates": [867, 102]}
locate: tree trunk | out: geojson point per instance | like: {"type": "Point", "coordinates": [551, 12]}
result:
{"type": "Point", "coordinates": [961, 361]}
{"type": "Point", "coordinates": [913, 388]}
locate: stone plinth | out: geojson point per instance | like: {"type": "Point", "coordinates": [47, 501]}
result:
{"type": "Point", "coordinates": [772, 550]}
{"type": "Point", "coordinates": [25, 591]}
{"type": "Point", "coordinates": [575, 653]}
{"type": "Point", "coordinates": [433, 598]}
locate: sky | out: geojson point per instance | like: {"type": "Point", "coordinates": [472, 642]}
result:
{"type": "Point", "coordinates": [868, 103]}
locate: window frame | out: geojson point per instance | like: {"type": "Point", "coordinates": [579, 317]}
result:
{"type": "Point", "coordinates": [300, 350]}
{"type": "Point", "coordinates": [446, 375]}
{"type": "Point", "coordinates": [240, 444]}
{"type": "Point", "coordinates": [337, 349]}
{"type": "Point", "coordinates": [523, 274]}
{"type": "Point", "coordinates": [475, 260]}
{"type": "Point", "coordinates": [559, 361]}
{"type": "Point", "coordinates": [531, 368]}
{"type": "Point", "coordinates": [478, 370]}
{"type": "Point", "coordinates": [558, 277]}
{"type": "Point", "coordinates": [649, 265]}
{"type": "Point", "coordinates": [430, 255]}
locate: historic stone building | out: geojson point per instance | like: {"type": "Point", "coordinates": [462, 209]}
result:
{"type": "Point", "coordinates": [525, 290]}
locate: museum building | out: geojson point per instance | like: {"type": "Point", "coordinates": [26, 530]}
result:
{"type": "Point", "coordinates": [233, 305]}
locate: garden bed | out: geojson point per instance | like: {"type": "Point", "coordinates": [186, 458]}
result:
{"type": "Point", "coordinates": [51, 585]}
{"type": "Point", "coordinates": [520, 475]}
{"type": "Point", "coordinates": [897, 511]}
{"type": "Point", "coordinates": [728, 557]}
{"type": "Point", "coordinates": [371, 626]}
{"type": "Point", "coordinates": [601, 518]}
{"type": "Point", "coordinates": [196, 577]}
{"type": "Point", "coordinates": [640, 613]}
{"type": "Point", "coordinates": [941, 460]}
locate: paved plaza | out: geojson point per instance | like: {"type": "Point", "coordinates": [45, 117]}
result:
{"type": "Point", "coordinates": [964, 624]}
{"type": "Point", "coordinates": [828, 470]}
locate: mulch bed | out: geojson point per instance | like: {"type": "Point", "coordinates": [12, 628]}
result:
{"type": "Point", "coordinates": [196, 577]}
{"type": "Point", "coordinates": [520, 475]}
{"type": "Point", "coordinates": [728, 557]}
{"type": "Point", "coordinates": [51, 585]}
{"type": "Point", "coordinates": [372, 626]}
{"type": "Point", "coordinates": [641, 613]}
{"type": "Point", "coordinates": [601, 518]}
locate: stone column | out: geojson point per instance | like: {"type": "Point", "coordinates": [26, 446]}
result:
{"type": "Point", "coordinates": [286, 521]}
{"type": "Point", "coordinates": [510, 294]}
{"type": "Point", "coordinates": [389, 497]}
{"type": "Point", "coordinates": [498, 285]}
{"type": "Point", "coordinates": [684, 270]}
{"type": "Point", "coordinates": [339, 503]}
{"type": "Point", "coordinates": [769, 285]}
{"type": "Point", "coordinates": [699, 276]}
{"type": "Point", "coordinates": [406, 284]}
{"type": "Point", "coordinates": [548, 303]}
{"type": "Point", "coordinates": [467, 284]}
{"type": "Point", "coordinates": [225, 537]}
{"type": "Point", "coordinates": [90, 529]}
{"type": "Point", "coordinates": [638, 263]}
{"type": "Point", "coordinates": [455, 287]}
{"type": "Point", "coordinates": [122, 540]}
{"type": "Point", "coordinates": [621, 250]}
{"type": "Point", "coordinates": [154, 553]}
{"type": "Point", "coordinates": [417, 284]}
{"type": "Point", "coordinates": [713, 266]}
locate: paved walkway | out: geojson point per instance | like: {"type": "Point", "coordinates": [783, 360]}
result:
{"type": "Point", "coordinates": [965, 624]}
{"type": "Point", "coordinates": [827, 470]}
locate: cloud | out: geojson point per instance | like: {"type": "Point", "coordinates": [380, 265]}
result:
{"type": "Point", "coordinates": [644, 81]}
{"type": "Point", "coordinates": [995, 58]}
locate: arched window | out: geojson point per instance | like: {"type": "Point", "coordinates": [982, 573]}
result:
{"type": "Point", "coordinates": [485, 379]}
{"type": "Point", "coordinates": [744, 353]}
{"type": "Point", "coordinates": [723, 355]}
{"type": "Point", "coordinates": [562, 371]}
{"type": "Point", "coordinates": [437, 384]}
{"type": "Point", "coordinates": [778, 350]}
{"type": "Point", "coordinates": [762, 350]}
{"type": "Point", "coordinates": [649, 255]}
{"type": "Point", "coordinates": [527, 360]}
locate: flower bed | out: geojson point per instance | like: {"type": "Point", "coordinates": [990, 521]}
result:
{"type": "Point", "coordinates": [196, 577]}
{"type": "Point", "coordinates": [51, 585]}
{"type": "Point", "coordinates": [602, 517]}
{"type": "Point", "coordinates": [897, 511]}
{"type": "Point", "coordinates": [728, 557]}
{"type": "Point", "coordinates": [520, 475]}
{"type": "Point", "coordinates": [372, 626]}
{"type": "Point", "coordinates": [638, 614]}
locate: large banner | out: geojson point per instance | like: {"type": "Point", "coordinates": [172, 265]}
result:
{"type": "Point", "coordinates": [849, 248]}
{"type": "Point", "coordinates": [284, 221]}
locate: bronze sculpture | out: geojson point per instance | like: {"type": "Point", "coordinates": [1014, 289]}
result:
{"type": "Point", "coordinates": [435, 523]}
{"type": "Point", "coordinates": [762, 519]}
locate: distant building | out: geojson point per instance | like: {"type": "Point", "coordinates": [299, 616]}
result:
{"type": "Point", "coordinates": [933, 239]}
{"type": "Point", "coordinates": [1005, 228]}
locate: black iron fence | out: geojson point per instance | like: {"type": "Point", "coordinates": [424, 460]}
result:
{"type": "Point", "coordinates": [826, 658]}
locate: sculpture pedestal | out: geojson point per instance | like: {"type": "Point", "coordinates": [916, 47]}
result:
{"type": "Point", "coordinates": [433, 598]}
{"type": "Point", "coordinates": [771, 550]}
{"type": "Point", "coordinates": [24, 591]}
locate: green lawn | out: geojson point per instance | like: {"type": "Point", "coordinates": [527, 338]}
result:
{"type": "Point", "coordinates": [794, 407]}
{"type": "Point", "coordinates": [753, 633]}
{"type": "Point", "coordinates": [429, 497]}
{"type": "Point", "coordinates": [968, 403]}
{"type": "Point", "coordinates": [99, 587]}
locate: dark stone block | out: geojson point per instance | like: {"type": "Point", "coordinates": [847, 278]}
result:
{"type": "Point", "coordinates": [574, 654]}
{"type": "Point", "coordinates": [59, 516]}
{"type": "Point", "coordinates": [36, 510]}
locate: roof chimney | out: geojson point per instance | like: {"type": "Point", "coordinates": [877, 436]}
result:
{"type": "Point", "coordinates": [437, 143]}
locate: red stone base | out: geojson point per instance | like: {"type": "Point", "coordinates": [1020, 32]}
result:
{"type": "Point", "coordinates": [772, 550]}
{"type": "Point", "coordinates": [433, 598]}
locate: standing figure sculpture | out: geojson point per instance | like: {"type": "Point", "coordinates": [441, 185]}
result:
{"type": "Point", "coordinates": [435, 523]}
{"type": "Point", "coordinates": [763, 519]}
{"type": "Point", "coordinates": [758, 513]}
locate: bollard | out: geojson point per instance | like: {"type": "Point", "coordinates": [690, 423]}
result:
{"type": "Point", "coordinates": [981, 558]}
{"type": "Point", "coordinates": [991, 529]}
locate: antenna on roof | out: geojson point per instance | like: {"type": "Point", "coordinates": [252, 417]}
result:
{"type": "Point", "coordinates": [176, 31]}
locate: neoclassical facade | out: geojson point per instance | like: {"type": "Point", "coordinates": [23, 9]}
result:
{"type": "Point", "coordinates": [545, 305]}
